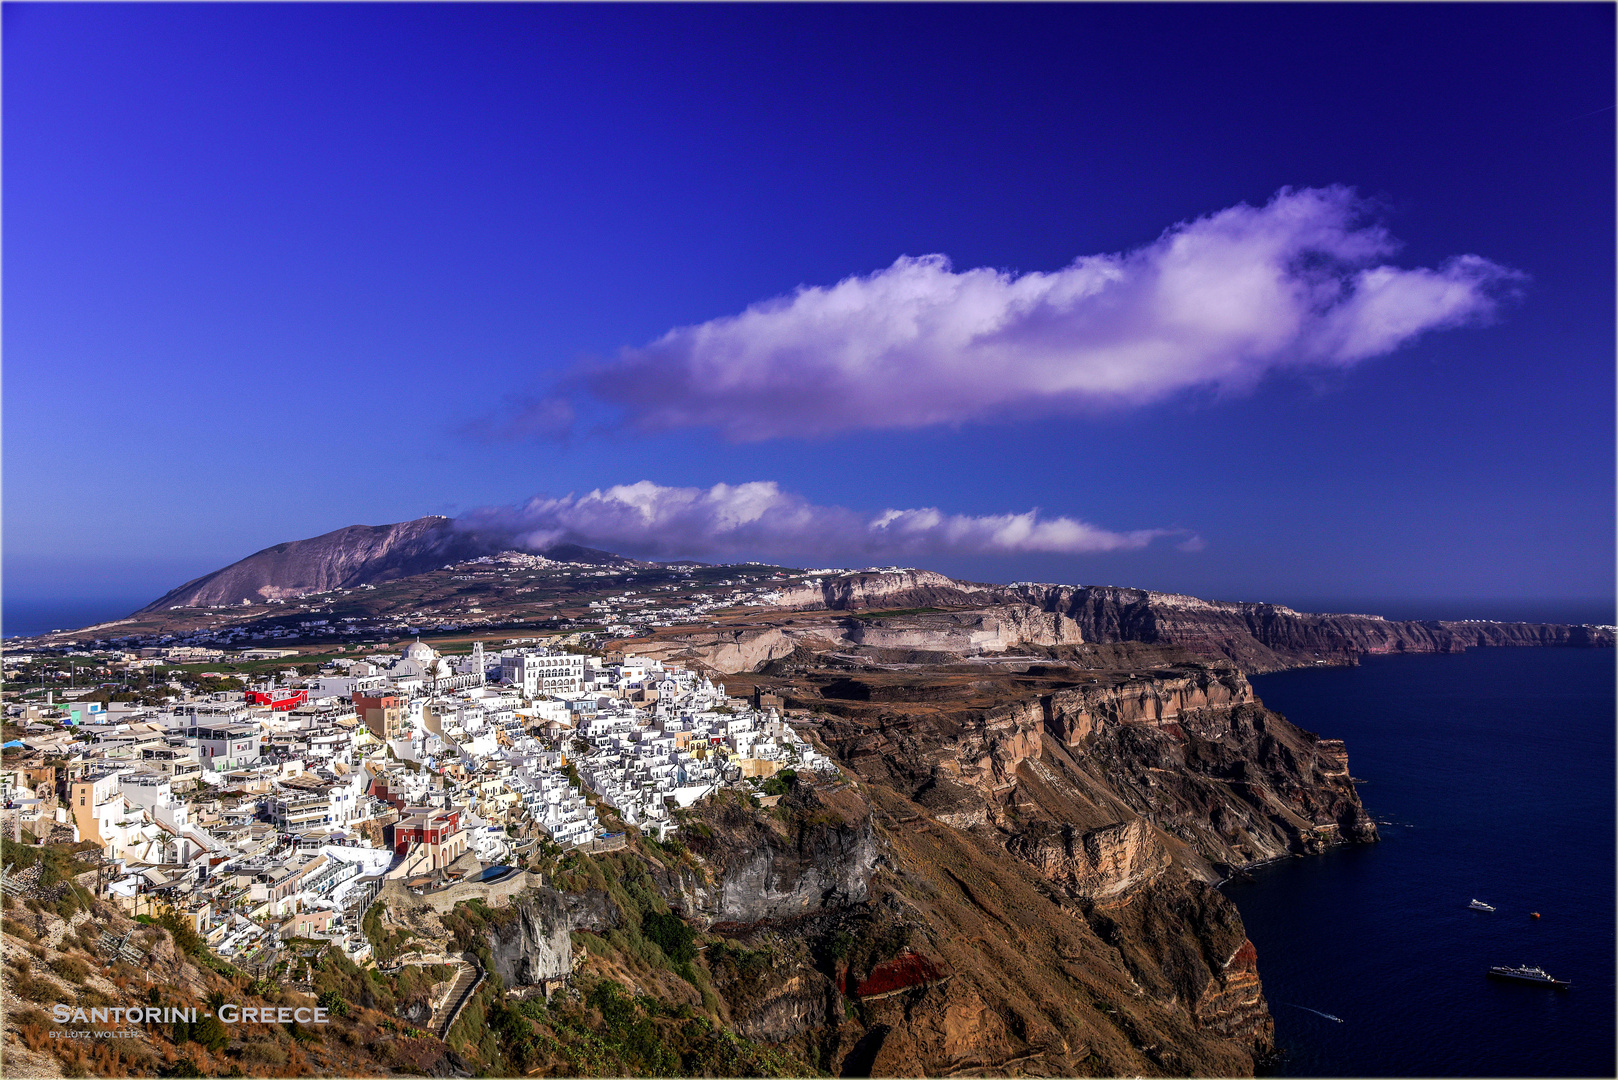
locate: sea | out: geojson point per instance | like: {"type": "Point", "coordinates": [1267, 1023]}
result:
{"type": "Point", "coordinates": [27, 616]}
{"type": "Point", "coordinates": [1491, 776]}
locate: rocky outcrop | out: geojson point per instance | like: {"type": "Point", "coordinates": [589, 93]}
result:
{"type": "Point", "coordinates": [1097, 864]}
{"type": "Point", "coordinates": [1127, 795]}
{"type": "Point", "coordinates": [731, 649]}
{"type": "Point", "coordinates": [965, 633]}
{"type": "Point", "coordinates": [821, 855]}
{"type": "Point", "coordinates": [1232, 1003]}
{"type": "Point", "coordinates": [1238, 786]}
{"type": "Point", "coordinates": [1266, 637]}
{"type": "Point", "coordinates": [1072, 715]}
{"type": "Point", "coordinates": [535, 947]}
{"type": "Point", "coordinates": [1258, 637]}
{"type": "Point", "coordinates": [772, 996]}
{"type": "Point", "coordinates": [1184, 943]}
{"type": "Point", "coordinates": [884, 589]}
{"type": "Point", "coordinates": [742, 648]}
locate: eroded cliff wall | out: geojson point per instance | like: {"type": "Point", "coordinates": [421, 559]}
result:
{"type": "Point", "coordinates": [1256, 636]}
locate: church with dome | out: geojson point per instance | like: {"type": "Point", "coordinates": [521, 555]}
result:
{"type": "Point", "coordinates": [421, 663]}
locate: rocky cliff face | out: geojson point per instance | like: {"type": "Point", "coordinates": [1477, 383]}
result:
{"type": "Point", "coordinates": [1257, 637]}
{"type": "Point", "coordinates": [1072, 714]}
{"type": "Point", "coordinates": [819, 853]}
{"type": "Point", "coordinates": [536, 947]}
{"type": "Point", "coordinates": [966, 633]}
{"type": "Point", "coordinates": [1267, 637]}
{"type": "Point", "coordinates": [1094, 864]}
{"type": "Point", "coordinates": [1187, 748]}
{"type": "Point", "coordinates": [885, 589]}
{"type": "Point", "coordinates": [1020, 876]}
{"type": "Point", "coordinates": [729, 649]}
{"type": "Point", "coordinates": [747, 646]}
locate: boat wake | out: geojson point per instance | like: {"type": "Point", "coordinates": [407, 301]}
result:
{"type": "Point", "coordinates": [1317, 1012]}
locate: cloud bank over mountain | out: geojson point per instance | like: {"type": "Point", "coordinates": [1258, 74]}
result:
{"type": "Point", "coordinates": [759, 519]}
{"type": "Point", "coordinates": [1218, 302]}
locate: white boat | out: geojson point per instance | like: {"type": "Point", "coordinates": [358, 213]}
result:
{"type": "Point", "coordinates": [1479, 905]}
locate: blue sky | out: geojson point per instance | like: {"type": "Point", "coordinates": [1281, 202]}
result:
{"type": "Point", "coordinates": [270, 270]}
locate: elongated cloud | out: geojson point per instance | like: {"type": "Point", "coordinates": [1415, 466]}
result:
{"type": "Point", "coordinates": [653, 521]}
{"type": "Point", "coordinates": [1216, 302]}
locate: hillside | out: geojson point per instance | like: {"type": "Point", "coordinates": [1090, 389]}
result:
{"type": "Point", "coordinates": [346, 558]}
{"type": "Point", "coordinates": [1012, 874]}
{"type": "Point", "coordinates": [427, 574]}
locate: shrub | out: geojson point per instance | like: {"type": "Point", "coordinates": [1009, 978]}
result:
{"type": "Point", "coordinates": [41, 990]}
{"type": "Point", "coordinates": [780, 783]}
{"type": "Point", "coordinates": [264, 1052]}
{"type": "Point", "coordinates": [71, 968]}
{"type": "Point", "coordinates": [671, 934]}
{"type": "Point", "coordinates": [210, 1033]}
{"type": "Point", "coordinates": [185, 935]}
{"type": "Point", "coordinates": [616, 1009]}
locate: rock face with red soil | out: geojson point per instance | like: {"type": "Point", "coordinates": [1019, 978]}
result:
{"type": "Point", "coordinates": [1039, 837]}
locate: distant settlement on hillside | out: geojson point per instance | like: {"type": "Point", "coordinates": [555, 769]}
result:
{"type": "Point", "coordinates": [279, 812]}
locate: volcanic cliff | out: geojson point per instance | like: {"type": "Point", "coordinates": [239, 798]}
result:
{"type": "Point", "coordinates": [1017, 873]}
{"type": "Point", "coordinates": [1257, 636]}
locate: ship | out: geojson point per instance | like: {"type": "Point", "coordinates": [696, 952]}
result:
{"type": "Point", "coordinates": [1527, 974]}
{"type": "Point", "coordinates": [1479, 905]}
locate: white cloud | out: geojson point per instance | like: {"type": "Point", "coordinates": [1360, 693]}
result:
{"type": "Point", "coordinates": [1216, 302]}
{"type": "Point", "coordinates": [653, 521]}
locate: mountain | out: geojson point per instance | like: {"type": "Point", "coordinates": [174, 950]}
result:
{"type": "Point", "coordinates": [1257, 637]}
{"type": "Point", "coordinates": [357, 555]}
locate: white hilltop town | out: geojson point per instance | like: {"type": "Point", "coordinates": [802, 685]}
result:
{"type": "Point", "coordinates": [281, 811]}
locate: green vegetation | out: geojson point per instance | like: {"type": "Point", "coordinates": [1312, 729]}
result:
{"type": "Point", "coordinates": [469, 922]}
{"type": "Point", "coordinates": [188, 941]}
{"type": "Point", "coordinates": [59, 866]}
{"type": "Point", "coordinates": [650, 930]}
{"type": "Point", "coordinates": [385, 944]}
{"type": "Point", "coordinates": [341, 985]}
{"type": "Point", "coordinates": [71, 968]}
{"type": "Point", "coordinates": [472, 1035]}
{"type": "Point", "coordinates": [61, 860]}
{"type": "Point", "coordinates": [608, 1032]}
{"type": "Point", "coordinates": [671, 934]}
{"type": "Point", "coordinates": [781, 782]}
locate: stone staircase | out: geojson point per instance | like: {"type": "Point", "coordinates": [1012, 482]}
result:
{"type": "Point", "coordinates": [460, 992]}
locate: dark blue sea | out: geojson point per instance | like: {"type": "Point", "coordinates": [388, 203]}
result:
{"type": "Point", "coordinates": [23, 617]}
{"type": "Point", "coordinates": [1491, 773]}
